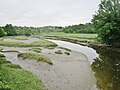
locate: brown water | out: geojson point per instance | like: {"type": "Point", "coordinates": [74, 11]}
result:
{"type": "Point", "coordinates": [107, 69]}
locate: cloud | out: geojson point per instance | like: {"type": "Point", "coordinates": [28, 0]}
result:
{"type": "Point", "coordinates": [47, 12]}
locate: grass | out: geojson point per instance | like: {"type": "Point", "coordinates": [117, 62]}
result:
{"type": "Point", "coordinates": [17, 37]}
{"type": "Point", "coordinates": [86, 38]}
{"type": "Point", "coordinates": [1, 39]}
{"type": "Point", "coordinates": [59, 52]}
{"type": "Point", "coordinates": [50, 47]}
{"type": "Point", "coordinates": [67, 35]}
{"type": "Point", "coordinates": [35, 56]}
{"type": "Point", "coordinates": [1, 49]}
{"type": "Point", "coordinates": [38, 50]}
{"type": "Point", "coordinates": [1, 55]}
{"type": "Point", "coordinates": [13, 77]}
{"type": "Point", "coordinates": [65, 49]}
{"type": "Point", "coordinates": [40, 43]}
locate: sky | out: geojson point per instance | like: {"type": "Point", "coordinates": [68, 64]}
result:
{"type": "Point", "coordinates": [47, 12]}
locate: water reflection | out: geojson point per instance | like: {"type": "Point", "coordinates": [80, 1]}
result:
{"type": "Point", "coordinates": [107, 69]}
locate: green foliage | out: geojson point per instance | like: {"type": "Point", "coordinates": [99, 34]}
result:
{"type": "Point", "coordinates": [35, 56]}
{"type": "Point", "coordinates": [36, 30]}
{"type": "Point", "coordinates": [107, 22]}
{"type": "Point", "coordinates": [81, 28]}
{"type": "Point", "coordinates": [9, 29]}
{"type": "Point", "coordinates": [2, 32]}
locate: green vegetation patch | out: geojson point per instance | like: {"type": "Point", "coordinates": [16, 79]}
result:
{"type": "Point", "coordinates": [38, 50]}
{"type": "Point", "coordinates": [59, 52]}
{"type": "Point", "coordinates": [13, 77]}
{"type": "Point", "coordinates": [71, 35]}
{"type": "Point", "coordinates": [40, 43]}
{"type": "Point", "coordinates": [44, 43]}
{"type": "Point", "coordinates": [18, 79]}
{"type": "Point", "coordinates": [35, 56]}
{"type": "Point", "coordinates": [1, 55]}
{"type": "Point", "coordinates": [65, 49]}
{"type": "Point", "coordinates": [1, 49]}
{"type": "Point", "coordinates": [20, 37]}
{"type": "Point", "coordinates": [1, 39]}
{"type": "Point", "coordinates": [75, 38]}
{"type": "Point", "coordinates": [50, 47]}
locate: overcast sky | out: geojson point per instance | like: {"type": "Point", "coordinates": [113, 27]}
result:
{"type": "Point", "coordinates": [47, 12]}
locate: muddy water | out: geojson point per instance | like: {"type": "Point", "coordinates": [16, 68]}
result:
{"type": "Point", "coordinates": [71, 72]}
{"type": "Point", "coordinates": [89, 52]}
{"type": "Point", "coordinates": [107, 68]}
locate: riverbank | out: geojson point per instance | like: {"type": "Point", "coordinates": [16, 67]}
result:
{"type": "Point", "coordinates": [89, 40]}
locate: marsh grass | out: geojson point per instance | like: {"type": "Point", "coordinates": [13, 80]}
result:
{"type": "Point", "coordinates": [2, 56]}
{"type": "Point", "coordinates": [75, 38]}
{"type": "Point", "coordinates": [65, 49]}
{"type": "Point", "coordinates": [68, 35]}
{"type": "Point", "coordinates": [50, 47]}
{"type": "Point", "coordinates": [35, 56]}
{"type": "Point", "coordinates": [38, 50]}
{"type": "Point", "coordinates": [40, 43]}
{"type": "Point", "coordinates": [59, 52]}
{"type": "Point", "coordinates": [13, 77]}
{"type": "Point", "coordinates": [17, 37]}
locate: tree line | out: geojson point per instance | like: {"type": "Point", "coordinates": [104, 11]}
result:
{"type": "Point", "coordinates": [81, 28]}
{"type": "Point", "coordinates": [10, 30]}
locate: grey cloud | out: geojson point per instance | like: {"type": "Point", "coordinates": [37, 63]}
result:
{"type": "Point", "coordinates": [47, 12]}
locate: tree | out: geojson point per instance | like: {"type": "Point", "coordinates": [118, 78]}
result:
{"type": "Point", "coordinates": [2, 32]}
{"type": "Point", "coordinates": [9, 29]}
{"type": "Point", "coordinates": [81, 28]}
{"type": "Point", "coordinates": [107, 22]}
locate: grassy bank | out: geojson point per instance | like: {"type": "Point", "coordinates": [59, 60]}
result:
{"type": "Point", "coordinates": [17, 37]}
{"type": "Point", "coordinates": [75, 38]}
{"type": "Point", "coordinates": [13, 77]}
{"type": "Point", "coordinates": [35, 56]}
{"type": "Point", "coordinates": [38, 50]}
{"type": "Point", "coordinates": [40, 43]}
{"type": "Point", "coordinates": [68, 35]}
